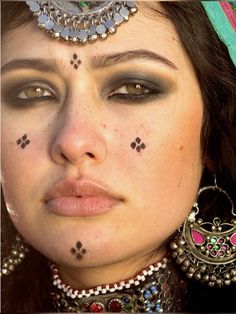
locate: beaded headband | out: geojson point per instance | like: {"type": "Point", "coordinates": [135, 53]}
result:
{"type": "Point", "coordinates": [222, 15]}
{"type": "Point", "coordinates": [81, 21]}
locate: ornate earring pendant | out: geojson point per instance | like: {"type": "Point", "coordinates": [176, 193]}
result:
{"type": "Point", "coordinates": [17, 254]}
{"type": "Point", "coordinates": [206, 251]}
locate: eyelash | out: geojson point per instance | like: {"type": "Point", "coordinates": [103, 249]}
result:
{"type": "Point", "coordinates": [119, 93]}
{"type": "Point", "coordinates": [151, 91]}
{"type": "Point", "coordinates": [14, 98]}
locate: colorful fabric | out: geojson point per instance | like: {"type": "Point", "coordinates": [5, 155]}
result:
{"type": "Point", "coordinates": [222, 15]}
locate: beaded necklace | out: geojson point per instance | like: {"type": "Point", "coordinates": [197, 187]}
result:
{"type": "Point", "coordinates": [155, 289]}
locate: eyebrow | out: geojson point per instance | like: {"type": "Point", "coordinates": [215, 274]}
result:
{"type": "Point", "coordinates": [43, 65]}
{"type": "Point", "coordinates": [129, 56]}
{"type": "Point", "coordinates": [56, 66]}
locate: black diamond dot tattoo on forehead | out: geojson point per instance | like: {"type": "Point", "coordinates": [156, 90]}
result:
{"type": "Point", "coordinates": [138, 144]}
{"type": "Point", "coordinates": [23, 141]}
{"type": "Point", "coordinates": [78, 251]}
{"type": "Point", "coordinates": [75, 61]}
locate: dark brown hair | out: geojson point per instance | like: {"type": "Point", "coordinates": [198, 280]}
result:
{"type": "Point", "coordinates": [216, 76]}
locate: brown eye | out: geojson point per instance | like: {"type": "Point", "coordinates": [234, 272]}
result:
{"type": "Point", "coordinates": [136, 89]}
{"type": "Point", "coordinates": [132, 88]}
{"type": "Point", "coordinates": [34, 92]}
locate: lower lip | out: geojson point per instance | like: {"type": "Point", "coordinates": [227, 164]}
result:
{"type": "Point", "coordinates": [72, 206]}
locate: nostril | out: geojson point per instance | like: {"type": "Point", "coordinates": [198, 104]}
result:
{"type": "Point", "coordinates": [64, 156]}
{"type": "Point", "coordinates": [90, 155]}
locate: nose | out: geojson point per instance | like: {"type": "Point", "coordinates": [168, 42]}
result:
{"type": "Point", "coordinates": [78, 139]}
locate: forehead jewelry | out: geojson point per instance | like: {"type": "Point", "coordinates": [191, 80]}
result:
{"type": "Point", "coordinates": [81, 21]}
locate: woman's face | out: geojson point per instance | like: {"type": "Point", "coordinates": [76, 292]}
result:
{"type": "Point", "coordinates": [80, 176]}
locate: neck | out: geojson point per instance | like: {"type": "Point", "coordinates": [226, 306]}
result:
{"type": "Point", "coordinates": [89, 277]}
{"type": "Point", "coordinates": [157, 288]}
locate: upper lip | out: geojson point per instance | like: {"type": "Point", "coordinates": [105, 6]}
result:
{"type": "Point", "coordinates": [79, 188]}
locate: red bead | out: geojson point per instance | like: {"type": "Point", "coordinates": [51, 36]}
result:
{"type": "Point", "coordinates": [115, 306]}
{"type": "Point", "coordinates": [97, 307]}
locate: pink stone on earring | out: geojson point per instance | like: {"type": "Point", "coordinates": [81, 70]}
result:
{"type": "Point", "coordinates": [233, 239]}
{"type": "Point", "coordinates": [197, 237]}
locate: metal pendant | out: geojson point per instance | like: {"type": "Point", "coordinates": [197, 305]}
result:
{"type": "Point", "coordinates": [206, 251]}
{"type": "Point", "coordinates": [80, 22]}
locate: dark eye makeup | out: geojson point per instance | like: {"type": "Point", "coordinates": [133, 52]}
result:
{"type": "Point", "coordinates": [125, 88]}
{"type": "Point", "coordinates": [136, 88]}
{"type": "Point", "coordinates": [28, 93]}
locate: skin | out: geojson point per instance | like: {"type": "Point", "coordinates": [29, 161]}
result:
{"type": "Point", "coordinates": [163, 179]}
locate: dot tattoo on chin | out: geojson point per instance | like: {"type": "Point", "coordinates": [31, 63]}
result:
{"type": "Point", "coordinates": [23, 141]}
{"type": "Point", "coordinates": [78, 250]}
{"type": "Point", "coordinates": [75, 61]}
{"type": "Point", "coordinates": [138, 144]}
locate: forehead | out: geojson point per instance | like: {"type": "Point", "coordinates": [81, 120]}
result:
{"type": "Point", "coordinates": [143, 31]}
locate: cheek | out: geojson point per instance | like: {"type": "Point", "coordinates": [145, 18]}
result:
{"type": "Point", "coordinates": [170, 147]}
{"type": "Point", "coordinates": [166, 174]}
{"type": "Point", "coordinates": [23, 159]}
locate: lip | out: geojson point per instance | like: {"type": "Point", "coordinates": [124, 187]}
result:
{"type": "Point", "coordinates": [80, 198]}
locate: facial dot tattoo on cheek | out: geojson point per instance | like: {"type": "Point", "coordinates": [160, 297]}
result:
{"type": "Point", "coordinates": [78, 250]}
{"type": "Point", "coordinates": [23, 141]}
{"type": "Point", "coordinates": [138, 145]}
{"type": "Point", "coordinates": [75, 61]}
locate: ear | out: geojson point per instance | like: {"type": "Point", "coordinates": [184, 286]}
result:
{"type": "Point", "coordinates": [207, 163]}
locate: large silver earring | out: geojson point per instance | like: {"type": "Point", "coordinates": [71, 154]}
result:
{"type": "Point", "coordinates": [17, 254]}
{"type": "Point", "coordinates": [206, 251]}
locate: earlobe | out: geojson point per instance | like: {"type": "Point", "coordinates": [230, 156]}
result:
{"type": "Point", "coordinates": [208, 164]}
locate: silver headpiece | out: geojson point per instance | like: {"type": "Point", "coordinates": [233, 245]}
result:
{"type": "Point", "coordinates": [81, 21]}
